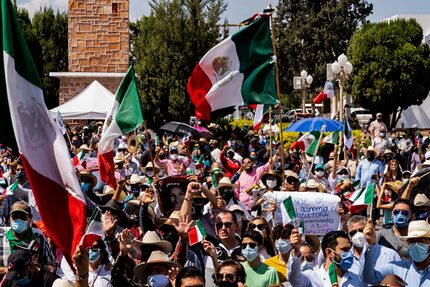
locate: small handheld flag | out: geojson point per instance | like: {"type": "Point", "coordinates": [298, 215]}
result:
{"type": "Point", "coordinates": [196, 233]}
{"type": "Point", "coordinates": [288, 213]}
{"type": "Point", "coordinates": [332, 275]}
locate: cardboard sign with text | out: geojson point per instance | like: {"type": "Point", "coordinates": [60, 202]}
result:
{"type": "Point", "coordinates": [319, 211]}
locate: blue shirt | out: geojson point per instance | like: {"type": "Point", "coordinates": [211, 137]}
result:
{"type": "Point", "coordinates": [405, 269]}
{"type": "Point", "coordinates": [366, 169]}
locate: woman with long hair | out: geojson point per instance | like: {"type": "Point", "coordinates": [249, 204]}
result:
{"type": "Point", "coordinates": [260, 224]}
{"type": "Point", "coordinates": [394, 172]}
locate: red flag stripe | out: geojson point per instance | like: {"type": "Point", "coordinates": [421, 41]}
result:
{"type": "Point", "coordinates": [198, 86]}
{"type": "Point", "coordinates": [107, 168]}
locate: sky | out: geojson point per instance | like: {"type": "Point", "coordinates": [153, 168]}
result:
{"type": "Point", "coordinates": [239, 10]}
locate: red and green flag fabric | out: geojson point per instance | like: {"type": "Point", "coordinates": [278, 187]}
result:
{"type": "Point", "coordinates": [287, 210]}
{"type": "Point", "coordinates": [43, 150]}
{"type": "Point", "coordinates": [10, 189]}
{"type": "Point", "coordinates": [332, 138]}
{"type": "Point", "coordinates": [79, 158]}
{"type": "Point", "coordinates": [363, 197]}
{"type": "Point", "coordinates": [196, 233]}
{"type": "Point", "coordinates": [309, 142]}
{"type": "Point", "coordinates": [259, 112]}
{"type": "Point", "coordinates": [125, 116]}
{"type": "Point", "coordinates": [94, 230]}
{"type": "Point", "coordinates": [238, 71]}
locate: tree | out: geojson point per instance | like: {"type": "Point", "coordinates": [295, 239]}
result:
{"type": "Point", "coordinates": [312, 33]}
{"type": "Point", "coordinates": [391, 67]}
{"type": "Point", "coordinates": [166, 46]}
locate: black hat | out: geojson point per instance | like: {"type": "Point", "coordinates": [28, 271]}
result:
{"type": "Point", "coordinates": [19, 259]}
{"type": "Point", "coordinates": [116, 207]}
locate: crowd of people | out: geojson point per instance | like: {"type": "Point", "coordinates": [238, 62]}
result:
{"type": "Point", "coordinates": [169, 186]}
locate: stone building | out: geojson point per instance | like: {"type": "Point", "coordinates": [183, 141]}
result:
{"type": "Point", "coordinates": [98, 46]}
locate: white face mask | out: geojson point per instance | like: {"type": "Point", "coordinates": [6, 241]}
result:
{"type": "Point", "coordinates": [150, 173]}
{"type": "Point", "coordinates": [344, 176]}
{"type": "Point", "coordinates": [271, 183]}
{"type": "Point", "coordinates": [358, 240]}
{"type": "Point", "coordinates": [319, 174]}
{"type": "Point", "coordinates": [174, 156]}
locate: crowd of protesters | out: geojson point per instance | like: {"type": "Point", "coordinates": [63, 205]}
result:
{"type": "Point", "coordinates": [166, 182]}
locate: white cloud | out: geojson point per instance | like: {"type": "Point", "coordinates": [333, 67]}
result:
{"type": "Point", "coordinates": [34, 5]}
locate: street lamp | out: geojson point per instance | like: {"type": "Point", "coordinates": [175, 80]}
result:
{"type": "Point", "coordinates": [339, 71]}
{"type": "Point", "coordinates": [302, 83]}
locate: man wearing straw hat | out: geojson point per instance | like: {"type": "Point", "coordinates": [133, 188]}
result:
{"type": "Point", "coordinates": [415, 271]}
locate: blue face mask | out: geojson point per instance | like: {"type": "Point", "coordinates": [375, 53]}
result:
{"type": "Point", "coordinates": [94, 256]}
{"type": "Point", "coordinates": [306, 265]}
{"type": "Point", "coordinates": [418, 251]}
{"type": "Point", "coordinates": [85, 186]}
{"type": "Point", "coordinates": [19, 225]}
{"type": "Point", "coordinates": [401, 220]}
{"type": "Point", "coordinates": [253, 158]}
{"type": "Point", "coordinates": [346, 261]}
{"type": "Point", "coordinates": [24, 281]}
{"type": "Point", "coordinates": [283, 245]}
{"type": "Point", "coordinates": [250, 253]}
{"type": "Point", "coordinates": [128, 197]}
{"type": "Point", "coordinates": [158, 280]}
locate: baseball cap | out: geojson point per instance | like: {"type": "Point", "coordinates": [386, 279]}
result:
{"type": "Point", "coordinates": [21, 206]}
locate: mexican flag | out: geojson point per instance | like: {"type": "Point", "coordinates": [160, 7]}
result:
{"type": "Point", "coordinates": [79, 158]}
{"type": "Point", "coordinates": [319, 98]}
{"type": "Point", "coordinates": [42, 147]}
{"type": "Point", "coordinates": [238, 71]}
{"type": "Point", "coordinates": [95, 229]}
{"type": "Point", "coordinates": [332, 138]}
{"type": "Point", "coordinates": [125, 116]}
{"type": "Point", "coordinates": [287, 210]}
{"type": "Point", "coordinates": [259, 112]}
{"type": "Point", "coordinates": [309, 142]}
{"type": "Point", "coordinates": [60, 123]}
{"type": "Point", "coordinates": [332, 275]}
{"type": "Point", "coordinates": [347, 134]}
{"type": "Point", "coordinates": [363, 197]}
{"type": "Point", "coordinates": [196, 233]}
{"type": "Point", "coordinates": [10, 189]}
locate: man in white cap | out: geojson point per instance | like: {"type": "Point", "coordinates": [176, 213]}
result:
{"type": "Point", "coordinates": [415, 271]}
{"type": "Point", "coordinates": [421, 206]}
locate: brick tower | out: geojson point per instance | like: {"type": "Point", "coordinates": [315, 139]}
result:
{"type": "Point", "coordinates": [98, 45]}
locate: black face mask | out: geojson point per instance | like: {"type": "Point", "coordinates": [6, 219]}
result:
{"type": "Point", "coordinates": [21, 176]}
{"type": "Point", "coordinates": [227, 284]}
{"type": "Point", "coordinates": [75, 143]}
{"type": "Point", "coordinates": [421, 215]}
{"type": "Point", "coordinates": [371, 157]}
{"type": "Point", "coordinates": [227, 194]}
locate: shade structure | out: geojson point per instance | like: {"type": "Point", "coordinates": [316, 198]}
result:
{"type": "Point", "coordinates": [315, 124]}
{"type": "Point", "coordinates": [179, 128]}
{"type": "Point", "coordinates": [204, 131]}
{"type": "Point", "coordinates": [93, 103]}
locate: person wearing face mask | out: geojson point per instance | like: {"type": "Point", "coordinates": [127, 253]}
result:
{"type": "Point", "coordinates": [382, 254]}
{"type": "Point", "coordinates": [265, 204]}
{"type": "Point", "coordinates": [380, 142]}
{"type": "Point", "coordinates": [258, 274]}
{"type": "Point", "coordinates": [99, 265]}
{"type": "Point", "coordinates": [154, 272]}
{"type": "Point", "coordinates": [413, 271]}
{"type": "Point", "coordinates": [387, 195]}
{"type": "Point", "coordinates": [377, 126]}
{"type": "Point", "coordinates": [369, 167]}
{"type": "Point", "coordinates": [336, 247]}
{"type": "Point", "coordinates": [422, 207]}
{"type": "Point", "coordinates": [319, 177]}
{"type": "Point", "coordinates": [390, 237]}
{"type": "Point", "coordinates": [281, 237]}
{"type": "Point", "coordinates": [21, 235]}
{"type": "Point", "coordinates": [174, 165]}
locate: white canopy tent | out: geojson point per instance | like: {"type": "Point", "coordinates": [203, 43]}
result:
{"type": "Point", "coordinates": [416, 115]}
{"type": "Point", "coordinates": [93, 103]}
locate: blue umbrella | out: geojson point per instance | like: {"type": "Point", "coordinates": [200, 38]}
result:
{"type": "Point", "coordinates": [315, 124]}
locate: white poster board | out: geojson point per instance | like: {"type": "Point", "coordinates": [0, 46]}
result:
{"type": "Point", "coordinates": [319, 211]}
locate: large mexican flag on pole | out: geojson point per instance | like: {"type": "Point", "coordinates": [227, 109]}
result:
{"type": "Point", "coordinates": [42, 147]}
{"type": "Point", "coordinates": [238, 71]}
{"type": "Point", "coordinates": [125, 116]}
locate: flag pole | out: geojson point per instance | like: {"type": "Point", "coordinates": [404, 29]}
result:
{"type": "Point", "coordinates": [149, 145]}
{"type": "Point", "coordinates": [270, 133]}
{"type": "Point", "coordinates": [278, 93]}
{"type": "Point", "coordinates": [315, 152]}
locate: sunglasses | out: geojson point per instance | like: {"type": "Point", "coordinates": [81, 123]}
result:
{"type": "Point", "coordinates": [342, 172]}
{"type": "Point", "coordinates": [19, 215]}
{"type": "Point", "coordinates": [404, 212]}
{"type": "Point", "coordinates": [319, 169]}
{"type": "Point", "coordinates": [95, 248]}
{"type": "Point", "coordinates": [260, 227]}
{"type": "Point", "coordinates": [251, 244]}
{"type": "Point", "coordinates": [220, 225]}
{"type": "Point", "coordinates": [230, 277]}
{"type": "Point", "coordinates": [353, 232]}
{"type": "Point", "coordinates": [292, 180]}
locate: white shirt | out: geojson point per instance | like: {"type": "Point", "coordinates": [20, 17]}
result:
{"type": "Point", "coordinates": [382, 255]}
{"type": "Point", "coordinates": [100, 277]}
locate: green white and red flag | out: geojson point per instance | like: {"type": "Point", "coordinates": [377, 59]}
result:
{"type": "Point", "coordinates": [332, 138]}
{"type": "Point", "coordinates": [287, 210]}
{"type": "Point", "coordinates": [309, 142]}
{"type": "Point", "coordinates": [41, 144]}
{"type": "Point", "coordinates": [79, 159]}
{"type": "Point", "coordinates": [125, 116]}
{"type": "Point", "coordinates": [196, 233]}
{"type": "Point", "coordinates": [363, 197]}
{"type": "Point", "coordinates": [238, 71]}
{"type": "Point", "coordinates": [94, 230]}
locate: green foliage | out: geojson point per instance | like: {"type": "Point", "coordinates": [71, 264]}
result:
{"type": "Point", "coordinates": [391, 67]}
{"type": "Point", "coordinates": [166, 47]}
{"type": "Point", "coordinates": [312, 33]}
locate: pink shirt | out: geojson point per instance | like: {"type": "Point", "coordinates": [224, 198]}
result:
{"type": "Point", "coordinates": [248, 179]}
{"type": "Point", "coordinates": [174, 168]}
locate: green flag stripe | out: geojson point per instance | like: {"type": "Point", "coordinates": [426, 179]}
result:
{"type": "Point", "coordinates": [370, 190]}
{"type": "Point", "coordinates": [289, 207]}
{"type": "Point", "coordinates": [332, 274]}
{"type": "Point", "coordinates": [255, 53]}
{"type": "Point", "coordinates": [200, 227]}
{"type": "Point", "coordinates": [129, 114]}
{"type": "Point", "coordinates": [14, 44]}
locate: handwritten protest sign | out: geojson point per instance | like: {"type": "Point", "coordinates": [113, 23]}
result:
{"type": "Point", "coordinates": [319, 211]}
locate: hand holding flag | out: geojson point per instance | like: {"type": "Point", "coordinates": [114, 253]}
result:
{"type": "Point", "coordinates": [287, 209]}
